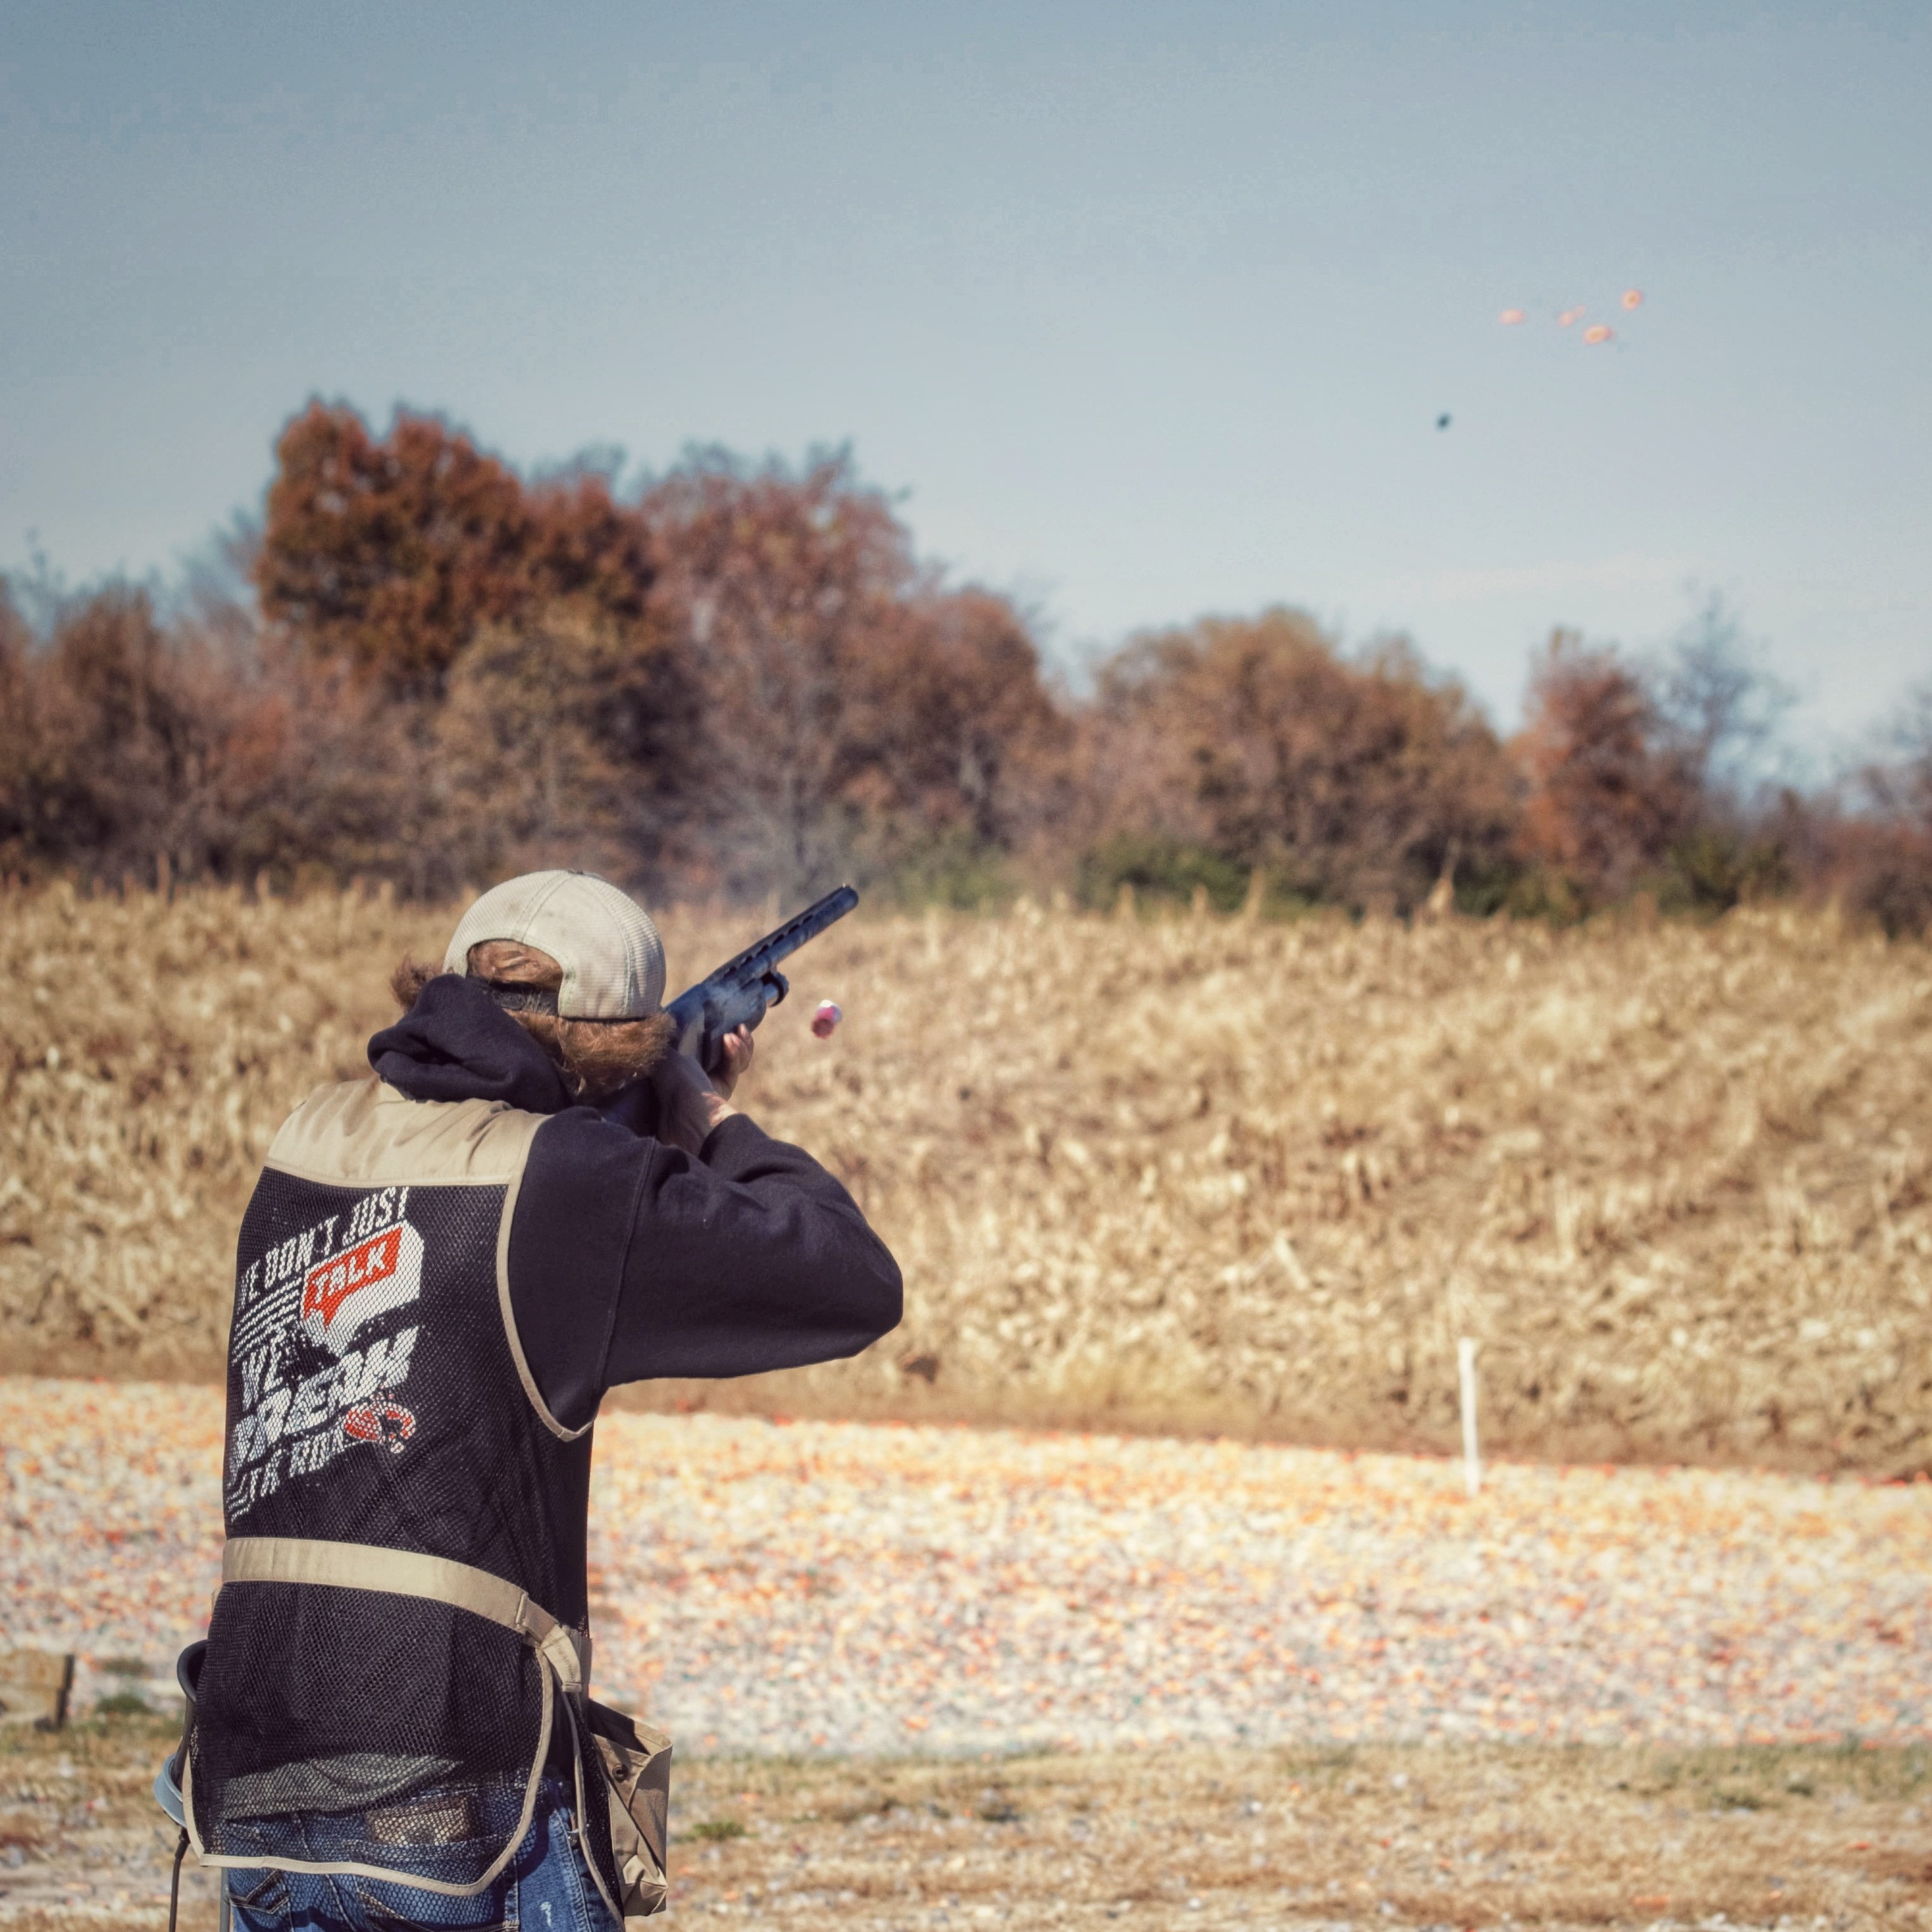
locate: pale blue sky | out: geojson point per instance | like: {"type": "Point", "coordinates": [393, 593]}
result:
{"type": "Point", "coordinates": [1150, 310]}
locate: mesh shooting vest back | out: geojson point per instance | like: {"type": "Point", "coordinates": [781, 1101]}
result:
{"type": "Point", "coordinates": [396, 1648]}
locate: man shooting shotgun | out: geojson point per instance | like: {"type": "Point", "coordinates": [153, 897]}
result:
{"type": "Point", "coordinates": [442, 1271]}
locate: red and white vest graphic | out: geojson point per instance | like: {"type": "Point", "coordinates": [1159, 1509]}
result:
{"type": "Point", "coordinates": [341, 1295]}
{"type": "Point", "coordinates": [313, 1382]}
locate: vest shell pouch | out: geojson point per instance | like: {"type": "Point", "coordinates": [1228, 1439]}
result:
{"type": "Point", "coordinates": [635, 1759]}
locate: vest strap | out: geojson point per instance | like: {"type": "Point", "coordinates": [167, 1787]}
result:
{"type": "Point", "coordinates": [409, 1573]}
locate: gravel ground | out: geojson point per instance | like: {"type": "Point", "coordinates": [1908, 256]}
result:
{"type": "Point", "coordinates": [874, 1644]}
{"type": "Point", "coordinates": [819, 1587]}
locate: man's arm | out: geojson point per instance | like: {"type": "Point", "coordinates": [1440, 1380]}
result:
{"type": "Point", "coordinates": [631, 1259]}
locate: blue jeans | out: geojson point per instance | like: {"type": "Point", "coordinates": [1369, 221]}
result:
{"type": "Point", "coordinates": [545, 1888]}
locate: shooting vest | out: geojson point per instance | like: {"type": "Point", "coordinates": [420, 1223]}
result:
{"type": "Point", "coordinates": [399, 1646]}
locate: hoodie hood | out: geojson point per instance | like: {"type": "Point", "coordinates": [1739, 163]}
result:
{"type": "Point", "coordinates": [456, 1043]}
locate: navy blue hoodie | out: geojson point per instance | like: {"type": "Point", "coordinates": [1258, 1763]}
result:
{"type": "Point", "coordinates": [630, 1260]}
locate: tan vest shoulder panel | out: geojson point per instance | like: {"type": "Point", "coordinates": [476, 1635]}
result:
{"type": "Point", "coordinates": [364, 1134]}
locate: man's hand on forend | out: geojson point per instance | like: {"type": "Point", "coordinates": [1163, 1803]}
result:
{"type": "Point", "coordinates": [690, 1105]}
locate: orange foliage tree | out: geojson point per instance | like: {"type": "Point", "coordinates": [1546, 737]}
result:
{"type": "Point", "coordinates": [131, 746]}
{"type": "Point", "coordinates": [1611, 788]}
{"type": "Point", "coordinates": [392, 552]}
{"type": "Point", "coordinates": [852, 708]}
{"type": "Point", "coordinates": [963, 728]}
{"type": "Point", "coordinates": [1878, 862]}
{"type": "Point", "coordinates": [1357, 782]}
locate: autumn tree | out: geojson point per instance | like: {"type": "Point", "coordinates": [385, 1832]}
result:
{"type": "Point", "coordinates": [392, 552]}
{"type": "Point", "coordinates": [569, 739]}
{"type": "Point", "coordinates": [21, 750]}
{"type": "Point", "coordinates": [189, 746]}
{"type": "Point", "coordinates": [1611, 788]}
{"type": "Point", "coordinates": [128, 737]}
{"type": "Point", "coordinates": [849, 704]}
{"type": "Point", "coordinates": [961, 723]}
{"type": "Point", "coordinates": [1897, 782]}
{"type": "Point", "coordinates": [1359, 781]}
{"type": "Point", "coordinates": [1876, 861]}
{"type": "Point", "coordinates": [1719, 704]}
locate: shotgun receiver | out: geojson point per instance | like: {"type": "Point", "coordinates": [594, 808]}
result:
{"type": "Point", "coordinates": [742, 989]}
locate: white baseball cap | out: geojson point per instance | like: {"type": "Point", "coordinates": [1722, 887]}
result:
{"type": "Point", "coordinates": [613, 959]}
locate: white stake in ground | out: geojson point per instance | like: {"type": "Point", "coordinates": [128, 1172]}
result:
{"type": "Point", "coordinates": [1465, 1370]}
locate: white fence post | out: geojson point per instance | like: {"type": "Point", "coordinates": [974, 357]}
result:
{"type": "Point", "coordinates": [1472, 1461]}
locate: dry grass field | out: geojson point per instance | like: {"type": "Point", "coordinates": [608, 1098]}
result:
{"type": "Point", "coordinates": [1201, 1174]}
{"type": "Point", "coordinates": [1460, 1836]}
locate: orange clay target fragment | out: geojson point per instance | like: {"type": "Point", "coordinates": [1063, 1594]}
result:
{"type": "Point", "coordinates": [1596, 333]}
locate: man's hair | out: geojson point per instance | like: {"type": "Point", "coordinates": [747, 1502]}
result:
{"type": "Point", "coordinates": [596, 1057]}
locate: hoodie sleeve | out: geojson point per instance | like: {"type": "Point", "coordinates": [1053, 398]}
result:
{"type": "Point", "coordinates": [628, 1261]}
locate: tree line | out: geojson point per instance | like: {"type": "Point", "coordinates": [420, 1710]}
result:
{"type": "Point", "coordinates": [740, 679]}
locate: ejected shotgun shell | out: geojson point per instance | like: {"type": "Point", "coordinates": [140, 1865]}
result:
{"type": "Point", "coordinates": [826, 1019]}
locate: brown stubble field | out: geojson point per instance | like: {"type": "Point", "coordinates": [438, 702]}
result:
{"type": "Point", "coordinates": [1465, 1836]}
{"type": "Point", "coordinates": [1193, 1174]}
